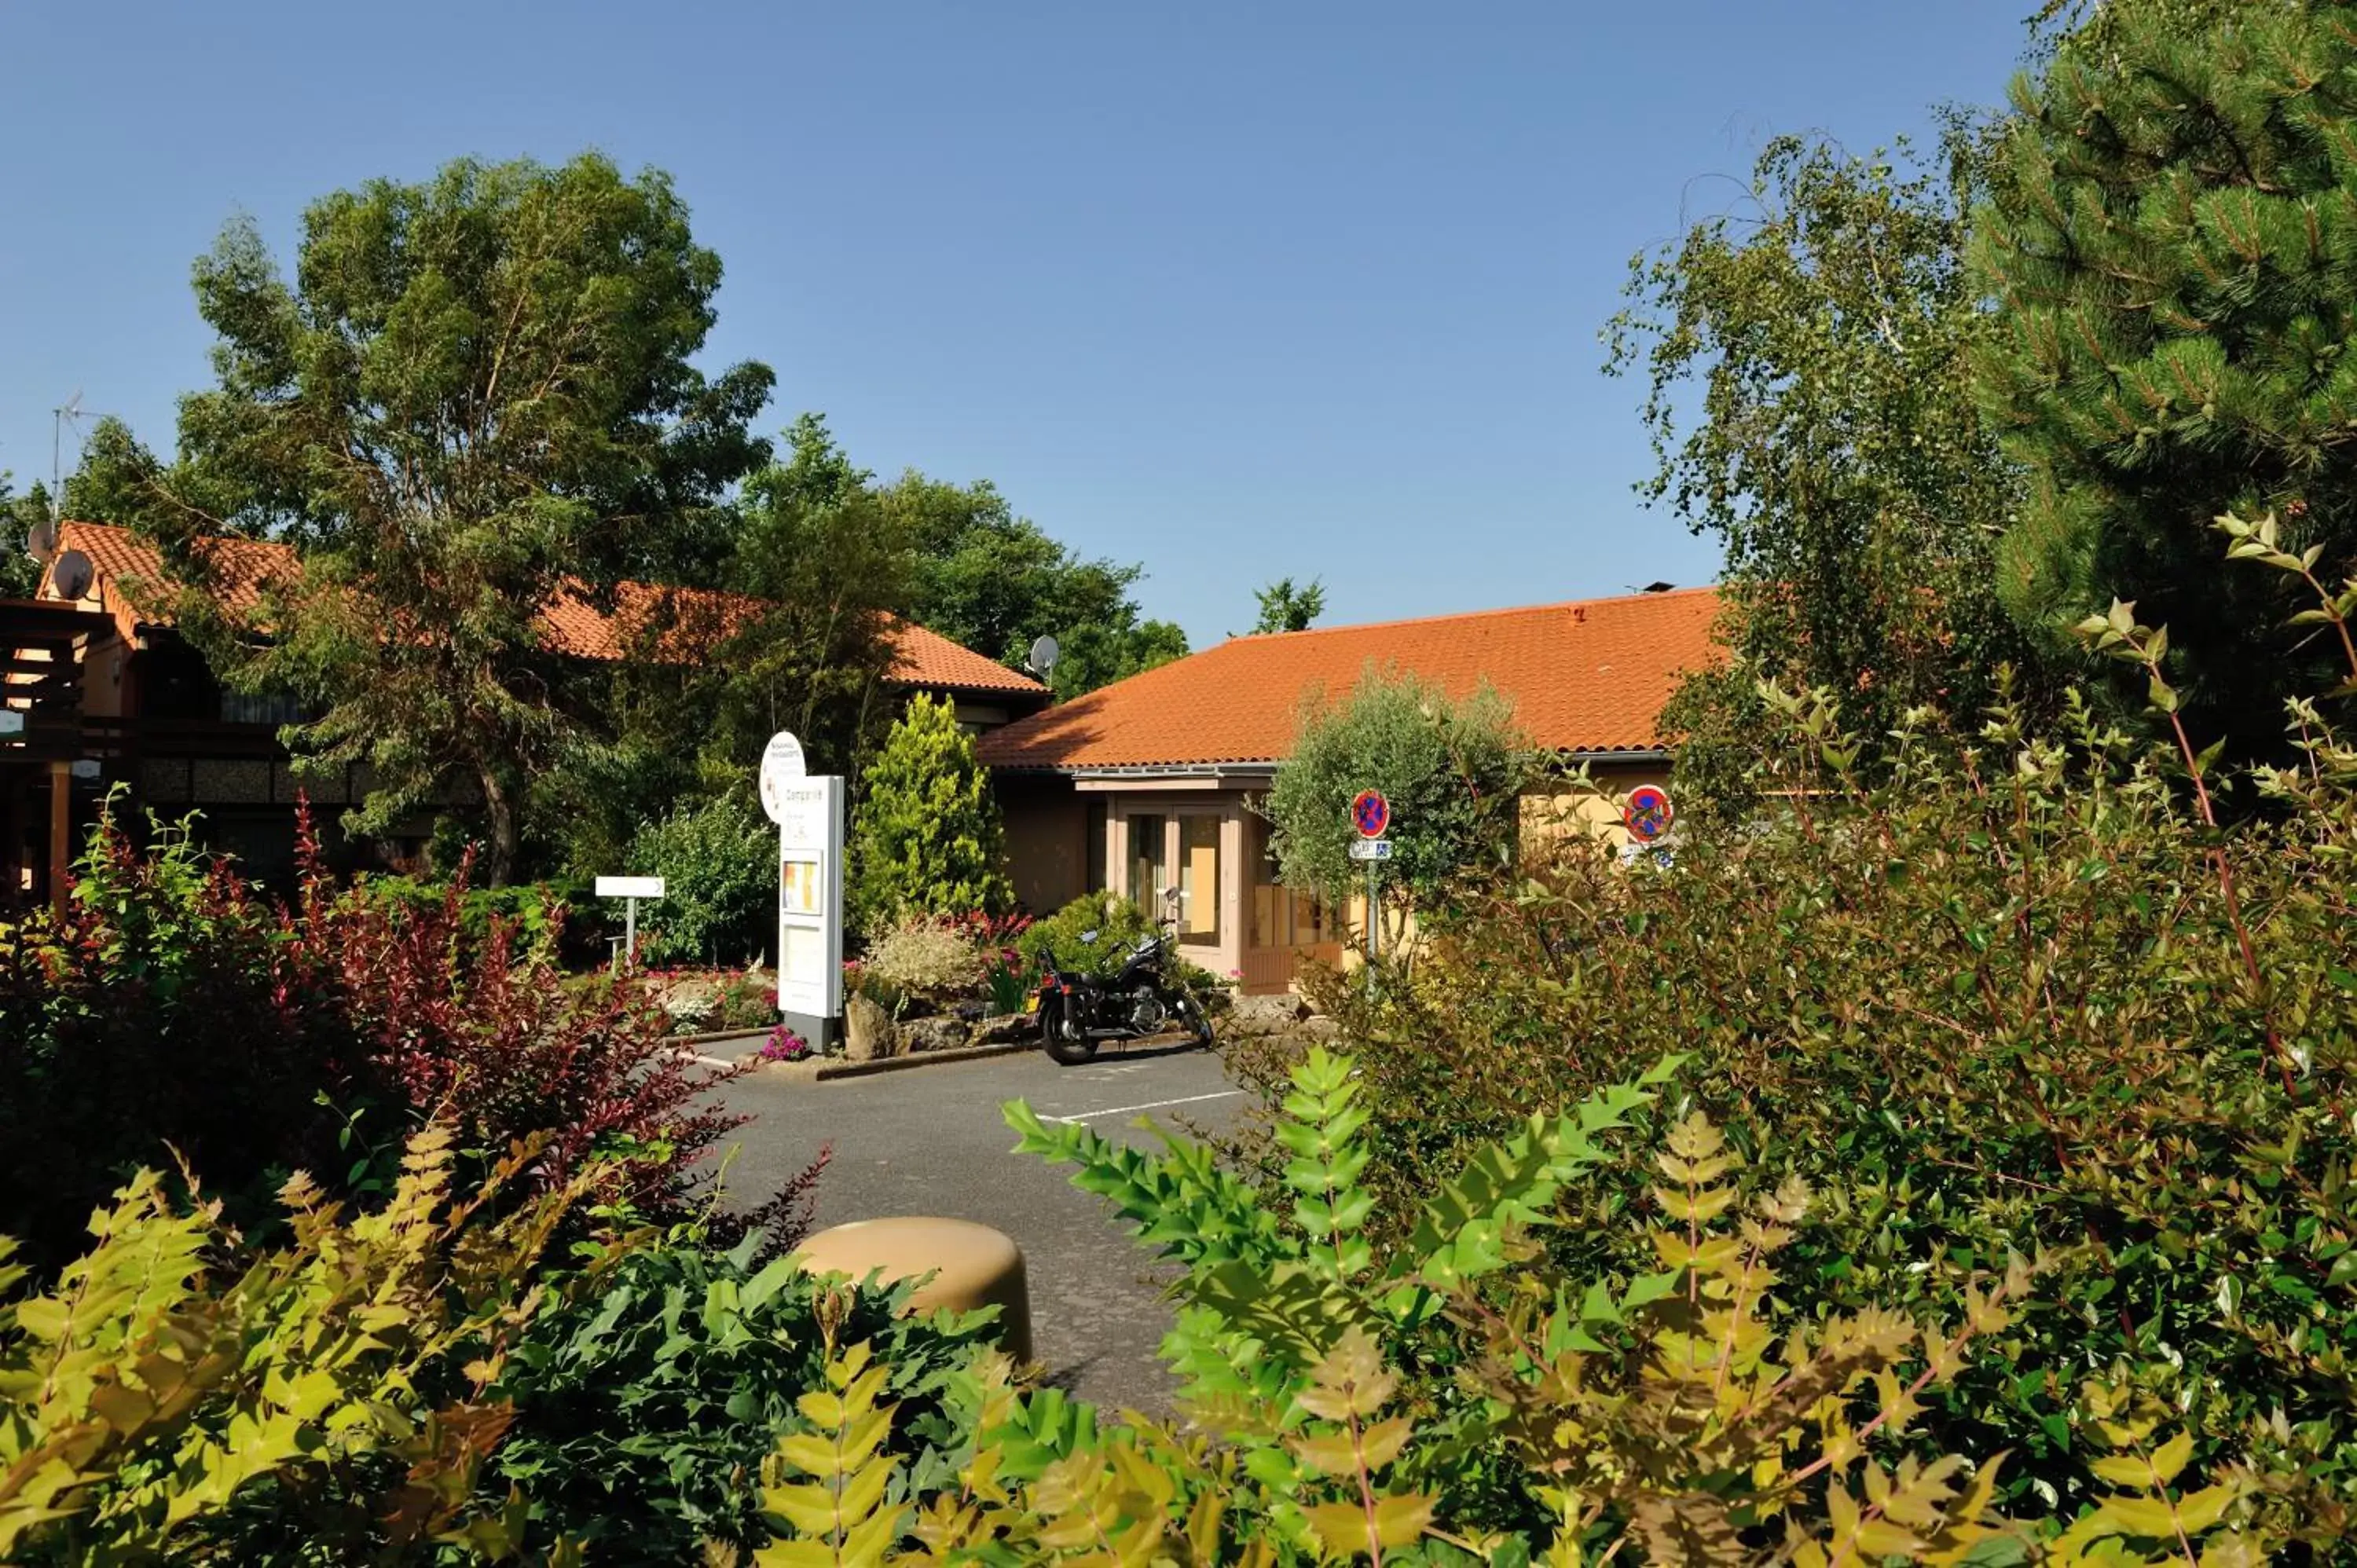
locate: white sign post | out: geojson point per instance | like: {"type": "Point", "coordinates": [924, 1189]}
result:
{"type": "Point", "coordinates": [630, 889]}
{"type": "Point", "coordinates": [809, 814]}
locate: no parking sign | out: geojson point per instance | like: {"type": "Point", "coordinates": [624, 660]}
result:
{"type": "Point", "coordinates": [1647, 813]}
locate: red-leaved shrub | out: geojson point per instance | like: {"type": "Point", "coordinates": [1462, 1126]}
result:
{"type": "Point", "coordinates": [169, 1004]}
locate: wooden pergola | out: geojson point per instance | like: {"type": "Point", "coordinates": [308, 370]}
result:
{"type": "Point", "coordinates": [43, 733]}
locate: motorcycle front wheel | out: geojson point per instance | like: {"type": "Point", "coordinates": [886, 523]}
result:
{"type": "Point", "coordinates": [1197, 1021]}
{"type": "Point", "coordinates": [1062, 1051]}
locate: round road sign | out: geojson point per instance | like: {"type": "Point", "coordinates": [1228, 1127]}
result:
{"type": "Point", "coordinates": [782, 762]}
{"type": "Point", "coordinates": [1648, 814]}
{"type": "Point", "coordinates": [1371, 813]}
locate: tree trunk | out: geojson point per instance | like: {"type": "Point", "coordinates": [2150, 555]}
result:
{"type": "Point", "coordinates": [506, 833]}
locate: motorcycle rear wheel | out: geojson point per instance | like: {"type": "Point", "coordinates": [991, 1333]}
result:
{"type": "Point", "coordinates": [1062, 1051]}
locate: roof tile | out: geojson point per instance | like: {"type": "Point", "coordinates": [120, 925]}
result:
{"type": "Point", "coordinates": [572, 624]}
{"type": "Point", "coordinates": [1586, 676]}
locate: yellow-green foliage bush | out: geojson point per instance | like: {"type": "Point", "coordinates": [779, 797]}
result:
{"type": "Point", "coordinates": [1461, 1401]}
{"type": "Point", "coordinates": [1456, 1400]}
{"type": "Point", "coordinates": [150, 1395]}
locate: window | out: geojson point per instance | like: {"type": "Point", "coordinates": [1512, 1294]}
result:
{"type": "Point", "coordinates": [1198, 878]}
{"type": "Point", "coordinates": [1149, 864]}
{"type": "Point", "coordinates": [259, 708]}
{"type": "Point", "coordinates": [1097, 847]}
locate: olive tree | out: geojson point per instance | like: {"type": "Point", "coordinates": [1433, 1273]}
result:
{"type": "Point", "coordinates": [1451, 770]}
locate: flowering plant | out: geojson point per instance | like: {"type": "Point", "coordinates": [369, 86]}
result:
{"type": "Point", "coordinates": [784, 1045]}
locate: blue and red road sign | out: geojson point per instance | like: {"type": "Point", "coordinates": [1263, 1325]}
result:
{"type": "Point", "coordinates": [1371, 814]}
{"type": "Point", "coordinates": [1648, 814]}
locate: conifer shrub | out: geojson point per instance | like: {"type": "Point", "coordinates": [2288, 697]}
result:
{"type": "Point", "coordinates": [927, 837]}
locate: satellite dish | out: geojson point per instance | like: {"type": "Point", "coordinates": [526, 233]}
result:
{"type": "Point", "coordinates": [42, 541]}
{"type": "Point", "coordinates": [1042, 657]}
{"type": "Point", "coordinates": [69, 575]}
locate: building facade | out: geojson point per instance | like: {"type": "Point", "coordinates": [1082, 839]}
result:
{"type": "Point", "coordinates": [1148, 789]}
{"type": "Point", "coordinates": [100, 691]}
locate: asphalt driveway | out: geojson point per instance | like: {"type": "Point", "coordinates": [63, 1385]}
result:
{"type": "Point", "coordinates": [930, 1141]}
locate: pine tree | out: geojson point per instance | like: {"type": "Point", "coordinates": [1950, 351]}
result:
{"type": "Point", "coordinates": [929, 838]}
{"type": "Point", "coordinates": [2171, 245]}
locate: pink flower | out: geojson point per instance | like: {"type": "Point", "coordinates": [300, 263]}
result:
{"type": "Point", "coordinates": [784, 1045]}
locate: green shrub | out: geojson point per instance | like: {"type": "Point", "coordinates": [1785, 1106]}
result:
{"type": "Point", "coordinates": [1459, 1401]}
{"type": "Point", "coordinates": [1058, 940]}
{"type": "Point", "coordinates": [1532, 1403]}
{"type": "Point", "coordinates": [2028, 998]}
{"type": "Point", "coordinates": [719, 866]}
{"type": "Point", "coordinates": [643, 1406]}
{"type": "Point", "coordinates": [1450, 770]}
{"type": "Point", "coordinates": [927, 838]}
{"type": "Point", "coordinates": [549, 920]}
{"type": "Point", "coordinates": [169, 1011]}
{"type": "Point", "coordinates": [1118, 924]}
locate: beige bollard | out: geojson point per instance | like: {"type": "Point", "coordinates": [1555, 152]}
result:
{"type": "Point", "coordinates": [972, 1265]}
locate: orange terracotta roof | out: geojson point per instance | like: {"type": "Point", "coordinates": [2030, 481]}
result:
{"type": "Point", "coordinates": [1589, 676]}
{"type": "Point", "coordinates": [126, 564]}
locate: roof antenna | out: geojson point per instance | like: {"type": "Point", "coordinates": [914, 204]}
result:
{"type": "Point", "coordinates": [71, 412]}
{"type": "Point", "coordinates": [1042, 657]}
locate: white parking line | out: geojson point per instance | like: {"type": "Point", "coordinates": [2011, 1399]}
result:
{"type": "Point", "coordinates": [1152, 1105]}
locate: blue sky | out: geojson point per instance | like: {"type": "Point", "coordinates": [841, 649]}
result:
{"type": "Point", "coordinates": [1231, 290]}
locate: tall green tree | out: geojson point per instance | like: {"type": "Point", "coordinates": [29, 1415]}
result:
{"type": "Point", "coordinates": [829, 568]}
{"type": "Point", "coordinates": [20, 574]}
{"type": "Point", "coordinates": [2093, 29]}
{"type": "Point", "coordinates": [928, 838]}
{"type": "Point", "coordinates": [1284, 607]}
{"type": "Point", "coordinates": [995, 582]}
{"type": "Point", "coordinates": [2171, 248]}
{"type": "Point", "coordinates": [815, 657]}
{"type": "Point", "coordinates": [474, 393]}
{"type": "Point", "coordinates": [1803, 358]}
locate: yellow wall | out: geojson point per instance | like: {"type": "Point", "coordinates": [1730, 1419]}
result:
{"type": "Point", "coordinates": [1549, 817]}
{"type": "Point", "coordinates": [104, 667]}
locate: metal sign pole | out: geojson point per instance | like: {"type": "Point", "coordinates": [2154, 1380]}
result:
{"type": "Point", "coordinates": [1374, 929]}
{"type": "Point", "coordinates": [629, 890]}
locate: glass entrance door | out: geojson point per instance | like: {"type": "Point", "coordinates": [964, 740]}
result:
{"type": "Point", "coordinates": [1149, 863]}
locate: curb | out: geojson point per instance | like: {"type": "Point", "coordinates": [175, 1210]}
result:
{"type": "Point", "coordinates": [826, 1069]}
{"type": "Point", "coordinates": [721, 1037]}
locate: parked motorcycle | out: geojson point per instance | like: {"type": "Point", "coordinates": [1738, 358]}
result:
{"type": "Point", "coordinates": [1140, 996]}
